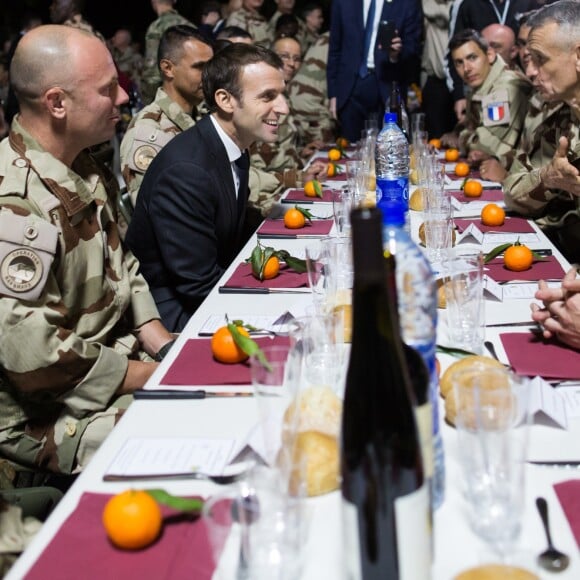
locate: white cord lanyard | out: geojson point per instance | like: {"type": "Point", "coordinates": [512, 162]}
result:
{"type": "Point", "coordinates": [501, 19]}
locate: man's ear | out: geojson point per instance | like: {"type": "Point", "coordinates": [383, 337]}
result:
{"type": "Point", "coordinates": [577, 53]}
{"type": "Point", "coordinates": [166, 67]}
{"type": "Point", "coordinates": [224, 100]}
{"type": "Point", "coordinates": [54, 100]}
{"type": "Point", "coordinates": [491, 55]}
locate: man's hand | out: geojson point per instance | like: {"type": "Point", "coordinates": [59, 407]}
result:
{"type": "Point", "coordinates": [475, 157]}
{"type": "Point", "coordinates": [152, 336]}
{"type": "Point", "coordinates": [311, 148]}
{"type": "Point", "coordinates": [395, 48]}
{"type": "Point", "coordinates": [560, 316]}
{"type": "Point", "coordinates": [450, 140]}
{"type": "Point", "coordinates": [560, 173]}
{"type": "Point", "coordinates": [332, 108]}
{"type": "Point", "coordinates": [316, 170]}
{"type": "Point", "coordinates": [460, 107]}
{"type": "Point", "coordinates": [492, 170]}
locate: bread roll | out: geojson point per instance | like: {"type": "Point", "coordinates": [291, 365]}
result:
{"type": "Point", "coordinates": [417, 200]}
{"type": "Point", "coordinates": [496, 572]}
{"type": "Point", "coordinates": [316, 457]}
{"type": "Point", "coordinates": [319, 409]}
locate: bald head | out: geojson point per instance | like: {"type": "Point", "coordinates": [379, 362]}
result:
{"type": "Point", "coordinates": [503, 40]}
{"type": "Point", "coordinates": [46, 57]}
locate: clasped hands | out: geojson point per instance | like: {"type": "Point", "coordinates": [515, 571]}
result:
{"type": "Point", "coordinates": [560, 315]}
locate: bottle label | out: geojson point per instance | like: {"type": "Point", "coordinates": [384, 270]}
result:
{"type": "Point", "coordinates": [414, 534]}
{"type": "Point", "coordinates": [394, 189]}
{"type": "Point", "coordinates": [424, 418]}
{"type": "Point", "coordinates": [351, 541]}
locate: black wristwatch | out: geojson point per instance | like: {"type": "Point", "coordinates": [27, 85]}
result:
{"type": "Point", "coordinates": [162, 352]}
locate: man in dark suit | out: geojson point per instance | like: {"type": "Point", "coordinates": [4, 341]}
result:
{"type": "Point", "coordinates": [188, 222]}
{"type": "Point", "coordinates": [360, 68]}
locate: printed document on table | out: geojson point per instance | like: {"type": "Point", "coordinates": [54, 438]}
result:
{"type": "Point", "coordinates": [140, 456]}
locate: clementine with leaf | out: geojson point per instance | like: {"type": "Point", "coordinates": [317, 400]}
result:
{"type": "Point", "coordinates": [435, 143]}
{"type": "Point", "coordinates": [451, 155]}
{"type": "Point", "coordinates": [461, 169]}
{"type": "Point", "coordinates": [332, 169]}
{"type": "Point", "coordinates": [342, 142]}
{"type": "Point", "coordinates": [334, 154]}
{"type": "Point", "coordinates": [472, 188]}
{"type": "Point", "coordinates": [492, 215]}
{"type": "Point", "coordinates": [224, 348]}
{"type": "Point", "coordinates": [272, 268]}
{"type": "Point", "coordinates": [132, 519]}
{"type": "Point", "coordinates": [294, 219]}
{"type": "Point", "coordinates": [518, 258]}
{"type": "Point", "coordinates": [313, 188]}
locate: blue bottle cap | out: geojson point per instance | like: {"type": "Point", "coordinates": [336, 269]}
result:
{"type": "Point", "coordinates": [391, 118]}
{"type": "Point", "coordinates": [393, 212]}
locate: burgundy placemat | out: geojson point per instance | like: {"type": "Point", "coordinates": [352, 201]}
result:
{"type": "Point", "coordinates": [338, 177]}
{"type": "Point", "coordinates": [299, 195]}
{"type": "Point", "coordinates": [515, 225]}
{"type": "Point", "coordinates": [473, 174]}
{"type": "Point", "coordinates": [568, 493]}
{"type": "Point", "coordinates": [312, 228]}
{"type": "Point", "coordinates": [486, 195]}
{"type": "Point", "coordinates": [531, 355]}
{"type": "Point", "coordinates": [195, 365]}
{"type": "Point", "coordinates": [547, 268]}
{"type": "Point", "coordinates": [243, 278]}
{"type": "Point", "coordinates": [81, 549]}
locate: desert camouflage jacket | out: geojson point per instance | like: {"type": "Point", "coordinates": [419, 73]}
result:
{"type": "Point", "coordinates": [151, 77]}
{"type": "Point", "coordinates": [253, 23]}
{"type": "Point", "coordinates": [281, 154]}
{"type": "Point", "coordinates": [70, 299]}
{"type": "Point", "coordinates": [496, 112]}
{"type": "Point", "coordinates": [130, 62]}
{"type": "Point", "coordinates": [149, 131]}
{"type": "Point", "coordinates": [307, 93]}
{"type": "Point", "coordinates": [524, 193]}
{"type": "Point", "coordinates": [302, 31]}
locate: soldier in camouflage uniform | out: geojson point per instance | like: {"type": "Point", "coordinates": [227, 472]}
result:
{"type": "Point", "coordinates": [167, 16]}
{"type": "Point", "coordinates": [248, 18]}
{"type": "Point", "coordinates": [497, 101]}
{"type": "Point", "coordinates": [78, 325]}
{"type": "Point", "coordinates": [182, 53]}
{"type": "Point", "coordinates": [308, 95]}
{"type": "Point", "coordinates": [127, 59]}
{"type": "Point", "coordinates": [287, 7]}
{"type": "Point", "coordinates": [313, 20]}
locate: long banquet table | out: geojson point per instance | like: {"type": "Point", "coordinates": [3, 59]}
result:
{"type": "Point", "coordinates": [456, 545]}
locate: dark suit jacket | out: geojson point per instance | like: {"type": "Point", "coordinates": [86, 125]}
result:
{"type": "Point", "coordinates": [347, 45]}
{"type": "Point", "coordinates": [187, 224]}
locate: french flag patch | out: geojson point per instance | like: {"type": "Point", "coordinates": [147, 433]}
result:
{"type": "Point", "coordinates": [495, 112]}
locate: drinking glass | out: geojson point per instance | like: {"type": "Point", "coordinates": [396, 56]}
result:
{"type": "Point", "coordinates": [463, 283]}
{"type": "Point", "coordinates": [492, 428]}
{"type": "Point", "coordinates": [438, 224]}
{"type": "Point", "coordinates": [342, 201]}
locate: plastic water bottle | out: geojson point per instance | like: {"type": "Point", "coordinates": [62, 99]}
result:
{"type": "Point", "coordinates": [392, 163]}
{"type": "Point", "coordinates": [417, 305]}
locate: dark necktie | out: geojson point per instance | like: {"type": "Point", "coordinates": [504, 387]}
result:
{"type": "Point", "coordinates": [243, 168]}
{"type": "Point", "coordinates": [363, 71]}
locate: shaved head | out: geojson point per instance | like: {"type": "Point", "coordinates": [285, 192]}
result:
{"type": "Point", "coordinates": [45, 59]}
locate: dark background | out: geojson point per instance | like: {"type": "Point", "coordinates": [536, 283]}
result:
{"type": "Point", "coordinates": [108, 15]}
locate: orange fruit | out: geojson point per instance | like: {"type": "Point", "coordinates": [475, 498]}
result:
{"type": "Point", "coordinates": [272, 268]}
{"type": "Point", "coordinates": [310, 189]}
{"type": "Point", "coordinates": [342, 142]}
{"type": "Point", "coordinates": [334, 154]}
{"type": "Point", "coordinates": [294, 219]}
{"type": "Point", "coordinates": [518, 258]}
{"type": "Point", "coordinates": [224, 348]}
{"type": "Point", "coordinates": [331, 169]}
{"type": "Point", "coordinates": [451, 155]}
{"type": "Point", "coordinates": [472, 188]}
{"type": "Point", "coordinates": [132, 519]}
{"type": "Point", "coordinates": [435, 143]}
{"type": "Point", "coordinates": [462, 169]}
{"type": "Point", "coordinates": [492, 215]}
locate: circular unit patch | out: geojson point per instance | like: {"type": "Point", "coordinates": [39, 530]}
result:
{"type": "Point", "coordinates": [143, 157]}
{"type": "Point", "coordinates": [21, 270]}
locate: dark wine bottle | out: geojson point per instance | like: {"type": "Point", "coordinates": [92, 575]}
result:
{"type": "Point", "coordinates": [386, 515]}
{"type": "Point", "coordinates": [397, 105]}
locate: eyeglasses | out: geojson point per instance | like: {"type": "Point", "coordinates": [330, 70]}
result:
{"type": "Point", "coordinates": [290, 58]}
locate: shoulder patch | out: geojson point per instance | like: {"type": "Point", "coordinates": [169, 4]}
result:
{"type": "Point", "coordinates": [496, 109]}
{"type": "Point", "coordinates": [142, 157]}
